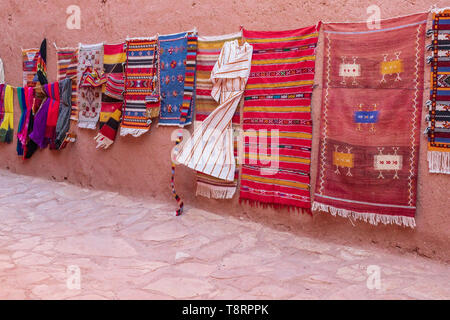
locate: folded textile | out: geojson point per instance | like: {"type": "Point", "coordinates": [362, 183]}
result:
{"type": "Point", "coordinates": [34, 65]}
{"type": "Point", "coordinates": [187, 108]}
{"type": "Point", "coordinates": [277, 118]}
{"type": "Point", "coordinates": [439, 104]}
{"type": "Point", "coordinates": [209, 49]}
{"type": "Point", "coordinates": [210, 150]}
{"type": "Point", "coordinates": [114, 87]}
{"type": "Point", "coordinates": [7, 117]}
{"type": "Point", "coordinates": [112, 97]}
{"type": "Point", "coordinates": [90, 61]}
{"type": "Point", "coordinates": [67, 63]}
{"type": "Point", "coordinates": [38, 133]}
{"type": "Point", "coordinates": [32, 102]}
{"type": "Point", "coordinates": [368, 159]}
{"type": "Point", "coordinates": [65, 108]}
{"type": "Point", "coordinates": [92, 78]}
{"type": "Point", "coordinates": [23, 113]}
{"type": "Point", "coordinates": [141, 92]}
{"type": "Point", "coordinates": [52, 114]}
{"type": "Point", "coordinates": [107, 133]}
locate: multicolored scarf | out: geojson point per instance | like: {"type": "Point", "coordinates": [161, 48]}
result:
{"type": "Point", "coordinates": [112, 100]}
{"type": "Point", "coordinates": [141, 94]}
{"type": "Point", "coordinates": [34, 65]}
{"type": "Point", "coordinates": [209, 48]}
{"type": "Point", "coordinates": [52, 91]}
{"type": "Point", "coordinates": [277, 112]}
{"type": "Point", "coordinates": [177, 73]}
{"type": "Point", "coordinates": [32, 102]}
{"type": "Point", "coordinates": [6, 114]}
{"type": "Point", "coordinates": [370, 122]}
{"type": "Point", "coordinates": [67, 63]}
{"type": "Point", "coordinates": [63, 123]}
{"type": "Point", "coordinates": [23, 110]}
{"type": "Point", "coordinates": [439, 104]}
{"type": "Point", "coordinates": [45, 115]}
{"type": "Point", "coordinates": [90, 60]}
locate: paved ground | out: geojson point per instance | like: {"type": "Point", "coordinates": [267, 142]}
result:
{"type": "Point", "coordinates": [58, 241]}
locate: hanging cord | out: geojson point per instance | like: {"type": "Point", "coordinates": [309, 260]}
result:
{"type": "Point", "coordinates": [179, 212]}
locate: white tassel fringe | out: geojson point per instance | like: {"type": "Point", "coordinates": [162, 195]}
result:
{"type": "Point", "coordinates": [439, 162]}
{"type": "Point", "coordinates": [215, 192]}
{"type": "Point", "coordinates": [133, 132]}
{"type": "Point", "coordinates": [372, 218]}
{"type": "Point", "coordinates": [102, 141]}
{"type": "Point", "coordinates": [87, 124]}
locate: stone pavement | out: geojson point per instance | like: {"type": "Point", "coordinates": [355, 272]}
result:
{"type": "Point", "coordinates": [59, 241]}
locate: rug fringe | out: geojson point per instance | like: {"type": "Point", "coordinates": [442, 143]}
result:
{"type": "Point", "coordinates": [215, 192]}
{"type": "Point", "coordinates": [439, 162]}
{"type": "Point", "coordinates": [372, 218]}
{"type": "Point", "coordinates": [133, 132]}
{"type": "Point", "coordinates": [102, 141]}
{"type": "Point", "coordinates": [87, 125]}
{"type": "Point", "coordinates": [278, 206]}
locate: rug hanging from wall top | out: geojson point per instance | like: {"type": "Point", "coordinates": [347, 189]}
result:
{"type": "Point", "coordinates": [439, 104]}
{"type": "Point", "coordinates": [90, 61]}
{"type": "Point", "coordinates": [278, 101]}
{"type": "Point", "coordinates": [141, 91]}
{"type": "Point", "coordinates": [370, 120]}
{"type": "Point", "coordinates": [67, 63]}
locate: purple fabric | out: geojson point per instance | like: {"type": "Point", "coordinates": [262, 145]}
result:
{"type": "Point", "coordinates": [40, 122]}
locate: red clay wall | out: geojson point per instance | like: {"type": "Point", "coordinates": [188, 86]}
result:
{"type": "Point", "coordinates": [141, 166]}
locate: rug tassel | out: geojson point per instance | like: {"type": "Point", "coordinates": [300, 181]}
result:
{"type": "Point", "coordinates": [371, 218]}
{"type": "Point", "coordinates": [439, 162]}
{"type": "Point", "coordinates": [275, 206]}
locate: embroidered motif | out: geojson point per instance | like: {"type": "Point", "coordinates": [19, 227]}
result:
{"type": "Point", "coordinates": [391, 67]}
{"type": "Point", "coordinates": [388, 162]}
{"type": "Point", "coordinates": [342, 159]}
{"type": "Point", "coordinates": [349, 70]}
{"type": "Point", "coordinates": [366, 117]}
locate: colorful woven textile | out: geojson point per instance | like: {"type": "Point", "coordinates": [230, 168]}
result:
{"type": "Point", "coordinates": [370, 121]}
{"type": "Point", "coordinates": [112, 99]}
{"type": "Point", "coordinates": [48, 107]}
{"type": "Point", "coordinates": [177, 73]}
{"type": "Point", "coordinates": [23, 110]}
{"type": "Point", "coordinates": [172, 70]}
{"type": "Point", "coordinates": [439, 103]}
{"type": "Point", "coordinates": [179, 211]}
{"type": "Point", "coordinates": [65, 108]}
{"type": "Point", "coordinates": [209, 48]}
{"type": "Point", "coordinates": [67, 63]}
{"type": "Point", "coordinates": [6, 114]}
{"type": "Point", "coordinates": [187, 109]}
{"type": "Point", "coordinates": [278, 97]}
{"type": "Point", "coordinates": [90, 57]}
{"type": "Point", "coordinates": [29, 57]}
{"type": "Point", "coordinates": [22, 134]}
{"type": "Point", "coordinates": [141, 95]}
{"type": "Point", "coordinates": [210, 150]}
{"type": "Point", "coordinates": [34, 65]}
{"type": "Point", "coordinates": [53, 113]}
{"type": "Point", "coordinates": [32, 102]}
